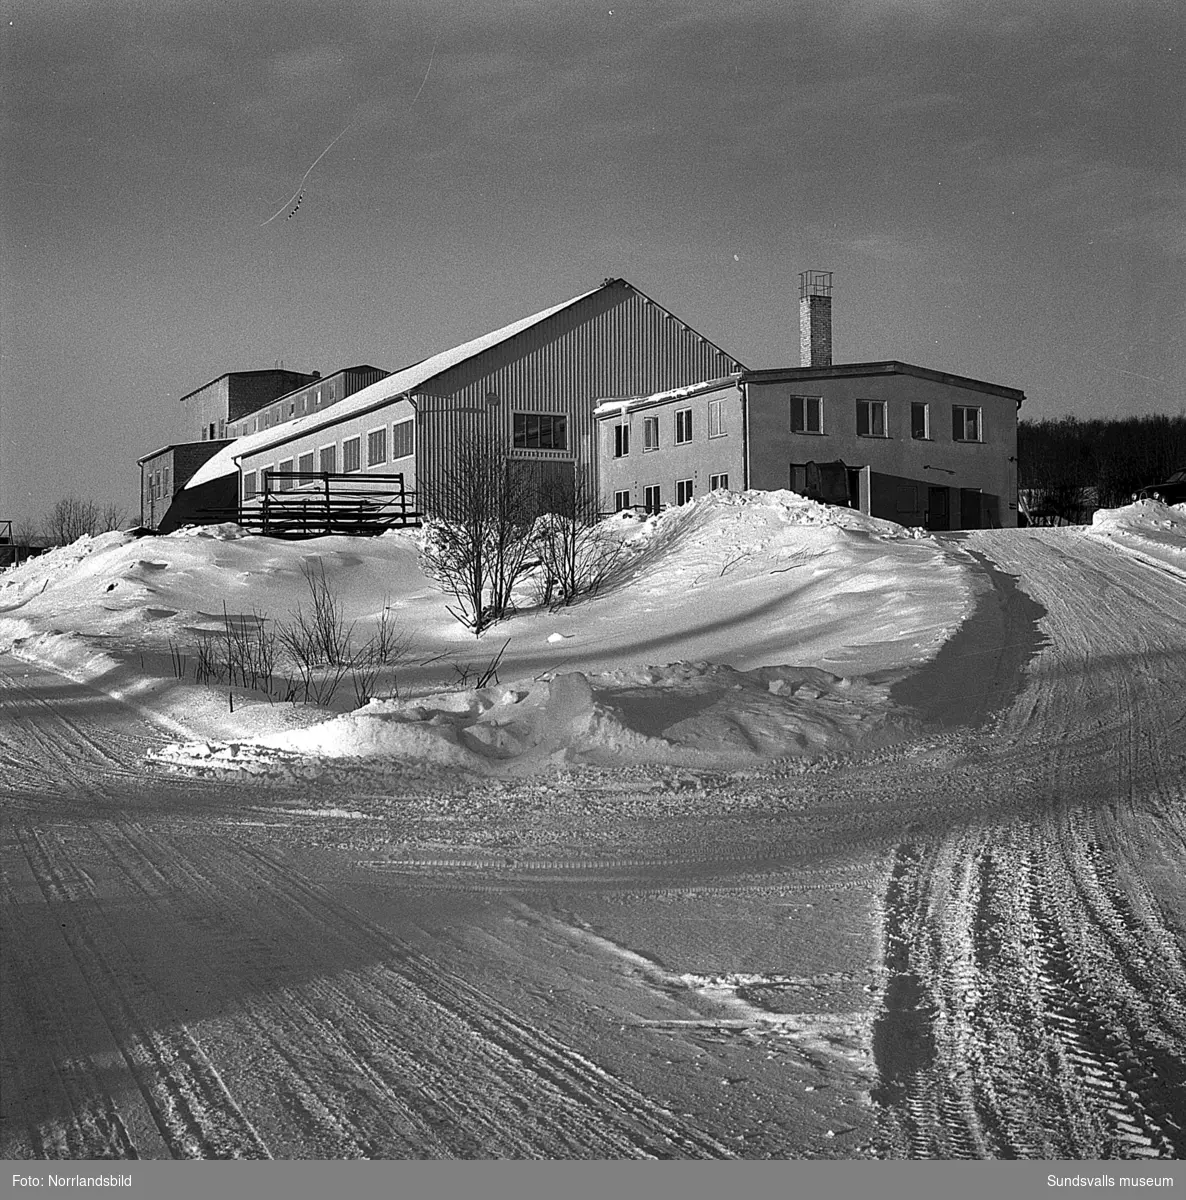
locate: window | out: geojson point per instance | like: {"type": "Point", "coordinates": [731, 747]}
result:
{"type": "Point", "coordinates": [621, 501]}
{"type": "Point", "coordinates": [402, 443]}
{"type": "Point", "coordinates": [683, 426]}
{"type": "Point", "coordinates": [211, 432]}
{"type": "Point", "coordinates": [292, 408]}
{"type": "Point", "coordinates": [249, 485]}
{"type": "Point", "coordinates": [718, 483]}
{"type": "Point", "coordinates": [871, 420]}
{"type": "Point", "coordinates": [332, 390]}
{"type": "Point", "coordinates": [716, 418]}
{"type": "Point", "coordinates": [305, 466]}
{"type": "Point", "coordinates": [265, 479]}
{"type": "Point", "coordinates": [621, 441]}
{"type": "Point", "coordinates": [965, 424]}
{"type": "Point", "coordinates": [799, 478]}
{"type": "Point", "coordinates": [167, 481]}
{"type": "Point", "coordinates": [351, 454]}
{"type": "Point", "coordinates": [328, 460]}
{"type": "Point", "coordinates": [652, 500]}
{"type": "Point", "coordinates": [920, 422]}
{"type": "Point", "coordinates": [317, 398]}
{"type": "Point", "coordinates": [377, 447]}
{"type": "Point", "coordinates": [683, 491]}
{"type": "Point", "coordinates": [650, 433]}
{"type": "Point", "coordinates": [540, 431]}
{"type": "Point", "coordinates": [807, 414]}
{"type": "Point", "coordinates": [285, 467]}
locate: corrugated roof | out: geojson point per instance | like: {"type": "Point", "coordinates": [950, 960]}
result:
{"type": "Point", "coordinates": [225, 462]}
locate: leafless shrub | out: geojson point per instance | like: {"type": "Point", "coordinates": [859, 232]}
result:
{"type": "Point", "coordinates": [477, 676]}
{"type": "Point", "coordinates": [477, 538]}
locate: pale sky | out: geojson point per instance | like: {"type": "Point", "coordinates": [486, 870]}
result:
{"type": "Point", "coordinates": [998, 188]}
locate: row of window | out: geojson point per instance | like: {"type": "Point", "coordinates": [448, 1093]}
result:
{"type": "Point", "coordinates": [295, 406]}
{"type": "Point", "coordinates": [325, 460]}
{"type": "Point", "coordinates": [158, 484]}
{"type": "Point", "coordinates": [967, 425]}
{"type": "Point", "coordinates": [652, 496]}
{"type": "Point", "coordinates": [683, 429]}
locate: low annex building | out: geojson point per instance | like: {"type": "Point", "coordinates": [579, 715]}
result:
{"type": "Point", "coordinates": [530, 387]}
{"type": "Point", "coordinates": [913, 445]}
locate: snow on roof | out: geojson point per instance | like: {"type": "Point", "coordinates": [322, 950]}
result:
{"type": "Point", "coordinates": [620, 404]}
{"type": "Point", "coordinates": [225, 462]}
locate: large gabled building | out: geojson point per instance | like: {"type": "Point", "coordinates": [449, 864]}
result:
{"type": "Point", "coordinates": [529, 388]}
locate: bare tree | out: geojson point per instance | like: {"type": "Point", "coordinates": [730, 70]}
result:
{"type": "Point", "coordinates": [72, 518]}
{"type": "Point", "coordinates": [477, 532]}
{"type": "Point", "coordinates": [575, 555]}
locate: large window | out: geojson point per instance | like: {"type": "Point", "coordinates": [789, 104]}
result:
{"type": "Point", "coordinates": [683, 491]}
{"type": "Point", "coordinates": [871, 418]}
{"type": "Point", "coordinates": [327, 460]}
{"type": "Point", "coordinates": [540, 431]}
{"type": "Point", "coordinates": [621, 500]}
{"type": "Point", "coordinates": [377, 447]}
{"type": "Point", "coordinates": [807, 414]}
{"type": "Point", "coordinates": [285, 469]}
{"type": "Point", "coordinates": [683, 426]}
{"type": "Point", "coordinates": [652, 499]}
{"type": "Point", "coordinates": [621, 441]}
{"type": "Point", "coordinates": [402, 444]}
{"type": "Point", "coordinates": [352, 454]}
{"type": "Point", "coordinates": [920, 421]}
{"type": "Point", "coordinates": [650, 433]}
{"type": "Point", "coordinates": [966, 425]}
{"type": "Point", "coordinates": [716, 418]}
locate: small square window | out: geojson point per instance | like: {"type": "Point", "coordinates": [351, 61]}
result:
{"type": "Point", "coordinates": [650, 433]}
{"type": "Point", "coordinates": [683, 491]}
{"type": "Point", "coordinates": [965, 424]}
{"type": "Point", "coordinates": [807, 414]}
{"type": "Point", "coordinates": [683, 426]}
{"type": "Point", "coordinates": [402, 442]}
{"type": "Point", "coordinates": [871, 418]}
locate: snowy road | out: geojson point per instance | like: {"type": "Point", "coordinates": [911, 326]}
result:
{"type": "Point", "coordinates": [971, 945]}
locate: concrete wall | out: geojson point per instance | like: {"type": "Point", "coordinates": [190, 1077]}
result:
{"type": "Point", "coordinates": [897, 461]}
{"type": "Point", "coordinates": [698, 460]}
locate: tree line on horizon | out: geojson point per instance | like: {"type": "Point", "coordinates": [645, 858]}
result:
{"type": "Point", "coordinates": [1067, 465]}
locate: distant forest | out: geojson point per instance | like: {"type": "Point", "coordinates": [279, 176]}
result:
{"type": "Point", "coordinates": [1058, 460]}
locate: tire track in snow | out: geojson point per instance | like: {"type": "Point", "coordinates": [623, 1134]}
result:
{"type": "Point", "coordinates": [196, 1116]}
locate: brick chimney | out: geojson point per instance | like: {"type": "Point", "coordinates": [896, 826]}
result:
{"type": "Point", "coordinates": [815, 318]}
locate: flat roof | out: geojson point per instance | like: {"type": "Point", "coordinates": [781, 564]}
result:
{"type": "Point", "coordinates": [240, 374]}
{"type": "Point", "coordinates": [889, 367]}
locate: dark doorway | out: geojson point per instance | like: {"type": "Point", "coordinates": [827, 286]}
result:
{"type": "Point", "coordinates": [970, 517]}
{"type": "Point", "coordinates": [938, 508]}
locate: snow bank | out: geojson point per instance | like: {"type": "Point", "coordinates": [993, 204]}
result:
{"type": "Point", "coordinates": [722, 587]}
{"type": "Point", "coordinates": [696, 714]}
{"type": "Point", "coordinates": [1148, 529]}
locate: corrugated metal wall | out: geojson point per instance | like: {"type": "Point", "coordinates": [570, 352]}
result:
{"type": "Point", "coordinates": [614, 343]}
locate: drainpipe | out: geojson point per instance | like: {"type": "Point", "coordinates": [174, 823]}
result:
{"type": "Point", "coordinates": [743, 388]}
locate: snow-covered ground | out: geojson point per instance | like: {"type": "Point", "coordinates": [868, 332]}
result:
{"type": "Point", "coordinates": [812, 836]}
{"type": "Point", "coordinates": [742, 627]}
